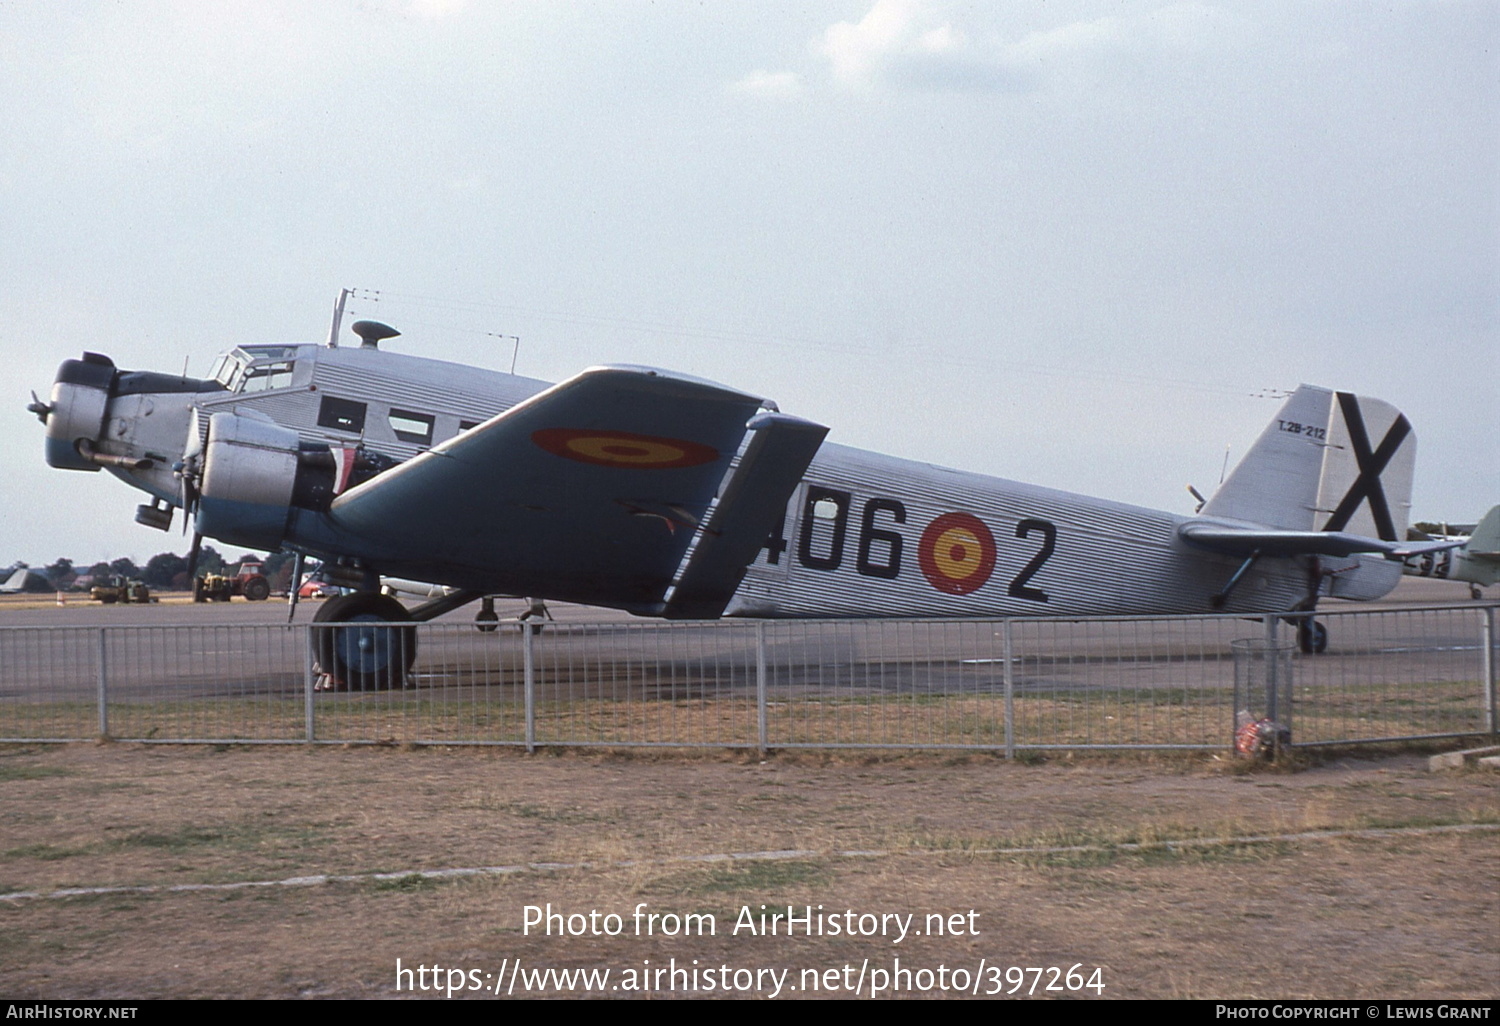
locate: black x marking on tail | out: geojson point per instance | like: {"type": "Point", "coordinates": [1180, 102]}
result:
{"type": "Point", "coordinates": [1367, 484]}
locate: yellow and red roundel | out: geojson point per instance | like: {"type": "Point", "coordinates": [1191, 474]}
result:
{"type": "Point", "coordinates": [623, 448]}
{"type": "Point", "coordinates": [956, 553]}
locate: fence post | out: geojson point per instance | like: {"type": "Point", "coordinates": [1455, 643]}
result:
{"type": "Point", "coordinates": [1273, 670]}
{"type": "Point", "coordinates": [760, 686]}
{"type": "Point", "coordinates": [103, 685]}
{"type": "Point", "coordinates": [309, 683]}
{"type": "Point", "coordinates": [1010, 692]}
{"type": "Point", "coordinates": [1487, 635]}
{"type": "Point", "coordinates": [528, 669]}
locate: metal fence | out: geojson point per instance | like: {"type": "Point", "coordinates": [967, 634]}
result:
{"type": "Point", "coordinates": [1011, 685]}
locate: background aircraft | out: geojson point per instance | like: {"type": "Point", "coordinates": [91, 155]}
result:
{"type": "Point", "coordinates": [670, 496]}
{"type": "Point", "coordinates": [1475, 560]}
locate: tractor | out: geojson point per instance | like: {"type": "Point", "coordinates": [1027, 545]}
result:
{"type": "Point", "coordinates": [248, 581]}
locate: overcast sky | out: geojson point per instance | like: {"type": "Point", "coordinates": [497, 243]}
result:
{"type": "Point", "coordinates": [1072, 243]}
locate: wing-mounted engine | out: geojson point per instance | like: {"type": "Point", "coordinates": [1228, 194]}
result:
{"type": "Point", "coordinates": [253, 473]}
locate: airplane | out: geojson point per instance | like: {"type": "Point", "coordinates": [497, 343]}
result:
{"type": "Point", "coordinates": [669, 496]}
{"type": "Point", "coordinates": [1475, 560]}
{"type": "Point", "coordinates": [17, 581]}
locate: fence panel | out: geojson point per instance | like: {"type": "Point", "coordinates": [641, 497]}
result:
{"type": "Point", "coordinates": [1161, 682]}
{"type": "Point", "coordinates": [1388, 675]}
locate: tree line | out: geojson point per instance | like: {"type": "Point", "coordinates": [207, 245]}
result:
{"type": "Point", "coordinates": [166, 571]}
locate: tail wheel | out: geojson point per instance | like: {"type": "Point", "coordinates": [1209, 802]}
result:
{"type": "Point", "coordinates": [257, 589]}
{"type": "Point", "coordinates": [373, 652]}
{"type": "Point", "coordinates": [1312, 637]}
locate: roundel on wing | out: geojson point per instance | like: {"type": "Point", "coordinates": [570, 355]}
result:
{"type": "Point", "coordinates": [956, 553]}
{"type": "Point", "coordinates": [623, 448]}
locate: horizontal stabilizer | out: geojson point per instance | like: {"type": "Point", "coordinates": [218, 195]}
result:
{"type": "Point", "coordinates": [779, 451]}
{"type": "Point", "coordinates": [1245, 541]}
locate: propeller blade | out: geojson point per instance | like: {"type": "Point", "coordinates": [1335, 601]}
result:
{"type": "Point", "coordinates": [192, 570]}
{"type": "Point", "coordinates": [295, 592]}
{"type": "Point", "coordinates": [41, 409]}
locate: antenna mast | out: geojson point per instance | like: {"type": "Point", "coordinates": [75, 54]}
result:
{"type": "Point", "coordinates": [338, 318]}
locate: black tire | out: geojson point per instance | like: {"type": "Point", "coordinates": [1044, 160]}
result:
{"type": "Point", "coordinates": [370, 654]}
{"type": "Point", "coordinates": [1312, 637]}
{"type": "Point", "coordinates": [199, 595]}
{"type": "Point", "coordinates": [487, 621]}
{"type": "Point", "coordinates": [256, 589]}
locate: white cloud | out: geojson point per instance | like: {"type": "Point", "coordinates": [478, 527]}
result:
{"type": "Point", "coordinates": [913, 43]}
{"type": "Point", "coordinates": [770, 85]}
{"type": "Point", "coordinates": [893, 30]}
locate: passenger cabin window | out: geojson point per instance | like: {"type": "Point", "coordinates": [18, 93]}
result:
{"type": "Point", "coordinates": [826, 509]}
{"type": "Point", "coordinates": [341, 414]}
{"type": "Point", "coordinates": [412, 427]}
{"type": "Point", "coordinates": [268, 376]}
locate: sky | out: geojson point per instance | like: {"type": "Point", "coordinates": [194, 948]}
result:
{"type": "Point", "coordinates": [1080, 244]}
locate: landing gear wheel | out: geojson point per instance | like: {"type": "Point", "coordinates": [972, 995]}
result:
{"type": "Point", "coordinates": [1312, 637]}
{"type": "Point", "coordinates": [487, 620]}
{"type": "Point", "coordinates": [257, 589]}
{"type": "Point", "coordinates": [369, 654]}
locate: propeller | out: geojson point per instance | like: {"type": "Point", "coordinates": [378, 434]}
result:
{"type": "Point", "coordinates": [188, 472]}
{"type": "Point", "coordinates": [1199, 496]}
{"type": "Point", "coordinates": [41, 409]}
{"type": "Point", "coordinates": [192, 570]}
{"type": "Point", "coordinates": [296, 589]}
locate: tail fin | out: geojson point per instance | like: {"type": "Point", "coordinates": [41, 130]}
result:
{"type": "Point", "coordinates": [1484, 543]}
{"type": "Point", "coordinates": [1328, 461]}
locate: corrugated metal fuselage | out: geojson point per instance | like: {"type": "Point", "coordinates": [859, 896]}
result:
{"type": "Point", "coordinates": [902, 538]}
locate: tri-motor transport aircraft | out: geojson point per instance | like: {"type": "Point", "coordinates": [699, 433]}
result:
{"type": "Point", "coordinates": [665, 495]}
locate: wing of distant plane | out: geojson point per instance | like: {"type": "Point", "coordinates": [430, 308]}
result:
{"type": "Point", "coordinates": [593, 490]}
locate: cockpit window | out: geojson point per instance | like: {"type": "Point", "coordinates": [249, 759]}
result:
{"type": "Point", "coordinates": [226, 368]}
{"type": "Point", "coordinates": [266, 376]}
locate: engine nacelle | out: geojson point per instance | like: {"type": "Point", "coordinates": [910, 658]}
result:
{"type": "Point", "coordinates": [80, 399]}
{"type": "Point", "coordinates": [249, 476]}
{"type": "Point", "coordinates": [255, 473]}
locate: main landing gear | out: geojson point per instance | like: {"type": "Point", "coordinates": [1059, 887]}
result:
{"type": "Point", "coordinates": [367, 641]}
{"type": "Point", "coordinates": [363, 646]}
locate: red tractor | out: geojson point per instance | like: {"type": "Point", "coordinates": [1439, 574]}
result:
{"type": "Point", "coordinates": [248, 581]}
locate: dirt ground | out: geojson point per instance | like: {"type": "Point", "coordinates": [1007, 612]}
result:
{"type": "Point", "coordinates": [1381, 880]}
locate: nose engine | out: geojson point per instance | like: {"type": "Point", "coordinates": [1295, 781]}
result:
{"type": "Point", "coordinates": [75, 417]}
{"type": "Point", "coordinates": [132, 423]}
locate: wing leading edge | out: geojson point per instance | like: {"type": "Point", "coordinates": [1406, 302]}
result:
{"type": "Point", "coordinates": [591, 491]}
